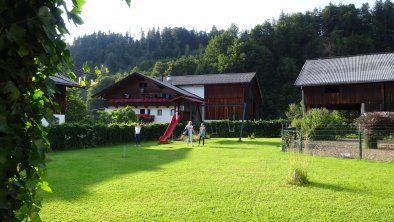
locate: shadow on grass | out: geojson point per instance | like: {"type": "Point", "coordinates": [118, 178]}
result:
{"type": "Point", "coordinates": [72, 174]}
{"type": "Point", "coordinates": [249, 142]}
{"type": "Point", "coordinates": [333, 187]}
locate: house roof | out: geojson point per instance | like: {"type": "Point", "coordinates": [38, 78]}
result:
{"type": "Point", "coordinates": [165, 84]}
{"type": "Point", "coordinates": [171, 86]}
{"type": "Point", "coordinates": [346, 70]}
{"type": "Point", "coordinates": [209, 79]}
{"type": "Point", "coordinates": [63, 80]}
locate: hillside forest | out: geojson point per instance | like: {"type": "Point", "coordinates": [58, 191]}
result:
{"type": "Point", "coordinates": [276, 50]}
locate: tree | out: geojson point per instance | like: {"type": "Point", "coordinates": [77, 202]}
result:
{"type": "Point", "coordinates": [76, 111]}
{"type": "Point", "coordinates": [31, 49]}
{"type": "Point", "coordinates": [121, 115]}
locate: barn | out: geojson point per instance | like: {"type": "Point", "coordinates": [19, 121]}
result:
{"type": "Point", "coordinates": [363, 83]}
{"type": "Point", "coordinates": [195, 97]}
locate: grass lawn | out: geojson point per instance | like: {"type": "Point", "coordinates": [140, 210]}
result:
{"type": "Point", "coordinates": [223, 181]}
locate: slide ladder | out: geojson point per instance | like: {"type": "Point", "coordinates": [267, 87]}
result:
{"type": "Point", "coordinates": [169, 130]}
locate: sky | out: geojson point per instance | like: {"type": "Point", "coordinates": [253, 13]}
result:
{"type": "Point", "coordinates": [115, 16]}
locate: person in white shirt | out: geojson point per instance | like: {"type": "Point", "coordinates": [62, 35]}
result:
{"type": "Point", "coordinates": [137, 130]}
{"type": "Point", "coordinates": [190, 130]}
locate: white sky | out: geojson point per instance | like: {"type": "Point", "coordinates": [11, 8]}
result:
{"type": "Point", "coordinates": [115, 16]}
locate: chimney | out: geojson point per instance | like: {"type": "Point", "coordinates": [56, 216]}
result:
{"type": "Point", "coordinates": [169, 78]}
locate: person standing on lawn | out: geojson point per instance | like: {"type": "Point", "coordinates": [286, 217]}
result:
{"type": "Point", "coordinates": [137, 130]}
{"type": "Point", "coordinates": [190, 130]}
{"type": "Point", "coordinates": [201, 134]}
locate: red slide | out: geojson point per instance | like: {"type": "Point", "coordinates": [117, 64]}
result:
{"type": "Point", "coordinates": [169, 130]}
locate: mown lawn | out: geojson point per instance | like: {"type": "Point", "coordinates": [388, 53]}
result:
{"type": "Point", "coordinates": [223, 181]}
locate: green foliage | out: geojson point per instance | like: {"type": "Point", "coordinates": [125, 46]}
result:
{"type": "Point", "coordinates": [294, 111]}
{"type": "Point", "coordinates": [31, 49]}
{"type": "Point", "coordinates": [317, 119]}
{"type": "Point", "coordinates": [376, 126]}
{"type": "Point", "coordinates": [120, 115]}
{"type": "Point", "coordinates": [76, 110]}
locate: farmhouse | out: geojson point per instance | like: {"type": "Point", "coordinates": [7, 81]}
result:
{"type": "Point", "coordinates": [364, 83]}
{"type": "Point", "coordinates": [61, 83]}
{"type": "Point", "coordinates": [195, 97]}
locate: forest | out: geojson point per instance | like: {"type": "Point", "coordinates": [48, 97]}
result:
{"type": "Point", "coordinates": [276, 50]}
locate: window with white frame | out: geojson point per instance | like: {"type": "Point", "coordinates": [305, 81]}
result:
{"type": "Point", "coordinates": [159, 112]}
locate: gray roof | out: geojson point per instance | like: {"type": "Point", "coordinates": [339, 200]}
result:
{"type": "Point", "coordinates": [345, 70]}
{"type": "Point", "coordinates": [63, 80]}
{"type": "Point", "coordinates": [168, 85]}
{"type": "Point", "coordinates": [209, 79]}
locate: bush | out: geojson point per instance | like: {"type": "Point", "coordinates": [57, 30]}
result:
{"type": "Point", "coordinates": [376, 126]}
{"type": "Point", "coordinates": [322, 124]}
{"type": "Point", "coordinates": [120, 115]}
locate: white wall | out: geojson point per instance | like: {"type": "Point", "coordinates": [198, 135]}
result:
{"type": "Point", "coordinates": [164, 118]}
{"type": "Point", "coordinates": [195, 89]}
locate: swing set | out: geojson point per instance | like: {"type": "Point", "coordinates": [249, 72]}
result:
{"type": "Point", "coordinates": [230, 116]}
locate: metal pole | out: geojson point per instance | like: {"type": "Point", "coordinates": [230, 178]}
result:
{"type": "Point", "coordinates": [360, 144]}
{"type": "Point", "coordinates": [301, 140]}
{"type": "Point", "coordinates": [124, 155]}
{"type": "Point", "coordinates": [282, 133]}
{"type": "Point", "coordinates": [242, 123]}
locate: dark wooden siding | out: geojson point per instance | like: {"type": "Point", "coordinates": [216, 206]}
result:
{"type": "Point", "coordinates": [375, 96]}
{"type": "Point", "coordinates": [389, 96]}
{"type": "Point", "coordinates": [60, 98]}
{"type": "Point", "coordinates": [151, 90]}
{"type": "Point", "coordinates": [224, 101]}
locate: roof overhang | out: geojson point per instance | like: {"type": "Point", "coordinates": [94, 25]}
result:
{"type": "Point", "coordinates": [194, 100]}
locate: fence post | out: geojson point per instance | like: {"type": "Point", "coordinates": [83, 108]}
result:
{"type": "Point", "coordinates": [282, 133]}
{"type": "Point", "coordinates": [301, 139]}
{"type": "Point", "coordinates": [360, 144]}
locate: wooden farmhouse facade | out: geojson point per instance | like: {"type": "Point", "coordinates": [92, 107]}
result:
{"type": "Point", "coordinates": [364, 83]}
{"type": "Point", "coordinates": [195, 97]}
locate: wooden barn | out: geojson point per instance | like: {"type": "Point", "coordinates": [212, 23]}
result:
{"type": "Point", "coordinates": [194, 97]}
{"type": "Point", "coordinates": [364, 83]}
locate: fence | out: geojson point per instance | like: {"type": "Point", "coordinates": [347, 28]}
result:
{"type": "Point", "coordinates": [374, 143]}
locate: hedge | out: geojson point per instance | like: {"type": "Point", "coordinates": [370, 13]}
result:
{"type": "Point", "coordinates": [77, 136]}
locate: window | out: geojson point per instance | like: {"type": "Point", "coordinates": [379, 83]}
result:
{"type": "Point", "coordinates": [142, 111]}
{"type": "Point", "coordinates": [172, 112]}
{"type": "Point", "coordinates": [159, 112]}
{"type": "Point", "coordinates": [331, 89]}
{"type": "Point", "coordinates": [143, 85]}
{"type": "Point", "coordinates": [149, 111]}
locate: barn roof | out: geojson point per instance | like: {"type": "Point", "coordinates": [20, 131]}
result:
{"type": "Point", "coordinates": [63, 80]}
{"type": "Point", "coordinates": [347, 70]}
{"type": "Point", "coordinates": [209, 79]}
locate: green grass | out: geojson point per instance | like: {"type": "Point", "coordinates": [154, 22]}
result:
{"type": "Point", "coordinates": [223, 181]}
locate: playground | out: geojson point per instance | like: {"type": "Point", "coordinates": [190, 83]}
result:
{"type": "Point", "coordinates": [225, 180]}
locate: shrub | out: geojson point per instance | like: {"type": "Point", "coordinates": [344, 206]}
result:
{"type": "Point", "coordinates": [120, 115]}
{"type": "Point", "coordinates": [375, 127]}
{"type": "Point", "coordinates": [321, 124]}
